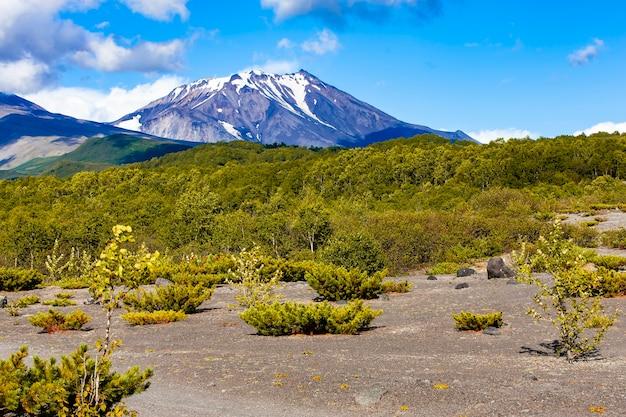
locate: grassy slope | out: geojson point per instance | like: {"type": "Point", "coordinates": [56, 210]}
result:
{"type": "Point", "coordinates": [97, 154]}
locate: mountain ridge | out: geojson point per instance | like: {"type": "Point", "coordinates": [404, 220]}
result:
{"type": "Point", "coordinates": [294, 109]}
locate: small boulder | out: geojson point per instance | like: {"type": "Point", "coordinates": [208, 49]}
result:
{"type": "Point", "coordinates": [370, 396]}
{"type": "Point", "coordinates": [491, 331]}
{"type": "Point", "coordinates": [461, 286]}
{"type": "Point", "coordinates": [496, 268]}
{"type": "Point", "coordinates": [91, 301]}
{"type": "Point", "coordinates": [4, 301]}
{"type": "Point", "coordinates": [162, 282]}
{"type": "Point", "coordinates": [465, 272]}
{"type": "Point", "coordinates": [432, 278]}
{"type": "Point", "coordinates": [512, 281]}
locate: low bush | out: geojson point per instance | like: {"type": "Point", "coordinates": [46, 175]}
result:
{"type": "Point", "coordinates": [443, 268]}
{"type": "Point", "coordinates": [15, 279]}
{"type": "Point", "coordinates": [51, 388]}
{"type": "Point", "coordinates": [54, 321]}
{"type": "Point", "coordinates": [64, 295]}
{"type": "Point", "coordinates": [71, 283]}
{"type": "Point", "coordinates": [614, 239]}
{"type": "Point", "coordinates": [466, 320]}
{"type": "Point", "coordinates": [609, 261]}
{"type": "Point", "coordinates": [612, 284]}
{"type": "Point", "coordinates": [337, 283]}
{"type": "Point", "coordinates": [279, 319]}
{"type": "Point", "coordinates": [26, 301]}
{"type": "Point", "coordinates": [396, 286]}
{"type": "Point", "coordinates": [174, 297]}
{"type": "Point", "coordinates": [354, 251]}
{"type": "Point", "coordinates": [59, 302]}
{"type": "Point", "coordinates": [142, 318]}
{"type": "Point", "coordinates": [207, 280]}
{"type": "Point", "coordinates": [582, 235]}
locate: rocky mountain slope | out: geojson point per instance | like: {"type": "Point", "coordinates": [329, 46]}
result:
{"type": "Point", "coordinates": [295, 109]}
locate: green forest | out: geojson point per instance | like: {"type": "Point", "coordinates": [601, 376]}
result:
{"type": "Point", "coordinates": [418, 201]}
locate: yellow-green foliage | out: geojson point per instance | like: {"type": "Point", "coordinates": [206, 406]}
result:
{"type": "Point", "coordinates": [141, 318]}
{"type": "Point", "coordinates": [466, 320]}
{"type": "Point", "coordinates": [570, 301]}
{"type": "Point", "coordinates": [615, 238]}
{"type": "Point", "coordinates": [59, 302]}
{"type": "Point", "coordinates": [278, 319]}
{"type": "Point", "coordinates": [612, 284]}
{"type": "Point", "coordinates": [54, 321]}
{"type": "Point", "coordinates": [15, 279]}
{"type": "Point", "coordinates": [443, 268]}
{"type": "Point", "coordinates": [396, 286]}
{"type": "Point", "coordinates": [51, 388]}
{"type": "Point", "coordinates": [71, 283]}
{"type": "Point", "coordinates": [354, 251]}
{"type": "Point", "coordinates": [609, 262]}
{"type": "Point", "coordinates": [26, 301]}
{"type": "Point", "coordinates": [253, 285]}
{"type": "Point", "coordinates": [337, 283]}
{"type": "Point", "coordinates": [64, 295]}
{"type": "Point", "coordinates": [174, 297]}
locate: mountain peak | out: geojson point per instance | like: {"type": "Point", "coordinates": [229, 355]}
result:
{"type": "Point", "coordinates": [295, 108]}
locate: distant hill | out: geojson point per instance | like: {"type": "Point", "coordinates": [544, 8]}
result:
{"type": "Point", "coordinates": [28, 131]}
{"type": "Point", "coordinates": [98, 153]}
{"type": "Point", "coordinates": [294, 109]}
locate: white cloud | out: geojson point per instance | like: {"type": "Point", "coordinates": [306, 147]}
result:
{"type": "Point", "coordinates": [285, 9]}
{"type": "Point", "coordinates": [587, 53]}
{"type": "Point", "coordinates": [276, 66]}
{"type": "Point", "coordinates": [105, 54]}
{"type": "Point", "coordinates": [22, 76]}
{"type": "Point", "coordinates": [103, 25]}
{"type": "Point", "coordinates": [103, 106]}
{"type": "Point", "coordinates": [163, 10]}
{"type": "Point", "coordinates": [486, 136]}
{"type": "Point", "coordinates": [325, 42]}
{"type": "Point", "coordinates": [284, 43]}
{"type": "Point", "coordinates": [608, 127]}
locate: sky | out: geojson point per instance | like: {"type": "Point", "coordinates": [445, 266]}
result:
{"type": "Point", "coordinates": [491, 68]}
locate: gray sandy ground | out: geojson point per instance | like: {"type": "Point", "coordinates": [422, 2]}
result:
{"type": "Point", "coordinates": [214, 365]}
{"type": "Point", "coordinates": [607, 219]}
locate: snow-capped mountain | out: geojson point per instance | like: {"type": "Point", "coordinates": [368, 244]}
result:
{"type": "Point", "coordinates": [295, 109]}
{"type": "Point", "coordinates": [28, 131]}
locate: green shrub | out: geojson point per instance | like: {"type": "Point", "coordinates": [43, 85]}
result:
{"type": "Point", "coordinates": [443, 268]}
{"type": "Point", "coordinates": [142, 318]}
{"type": "Point", "coordinates": [174, 297]}
{"type": "Point", "coordinates": [609, 261]}
{"type": "Point", "coordinates": [279, 319]}
{"type": "Point", "coordinates": [13, 310]}
{"type": "Point", "coordinates": [583, 235]}
{"type": "Point", "coordinates": [612, 284]}
{"type": "Point", "coordinates": [71, 283]}
{"type": "Point", "coordinates": [54, 321]}
{"type": "Point", "coordinates": [59, 302]}
{"type": "Point", "coordinates": [354, 251]}
{"type": "Point", "coordinates": [289, 271]}
{"type": "Point", "coordinates": [26, 301]}
{"type": "Point", "coordinates": [337, 283]}
{"type": "Point", "coordinates": [614, 239]}
{"type": "Point", "coordinates": [15, 279]}
{"type": "Point", "coordinates": [466, 320]}
{"type": "Point", "coordinates": [207, 280]}
{"type": "Point", "coordinates": [64, 295]}
{"type": "Point", "coordinates": [253, 286]}
{"type": "Point", "coordinates": [50, 388]}
{"type": "Point", "coordinates": [396, 286]}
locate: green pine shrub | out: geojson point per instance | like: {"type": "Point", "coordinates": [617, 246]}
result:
{"type": "Point", "coordinates": [142, 318]}
{"type": "Point", "coordinates": [278, 319]}
{"type": "Point", "coordinates": [26, 301]}
{"type": "Point", "coordinates": [16, 279]}
{"type": "Point", "coordinates": [337, 283]}
{"type": "Point", "coordinates": [354, 251]}
{"type": "Point", "coordinates": [174, 297]}
{"type": "Point", "coordinates": [59, 302]}
{"type": "Point", "coordinates": [614, 238]}
{"type": "Point", "coordinates": [443, 268]}
{"type": "Point", "coordinates": [207, 280]}
{"type": "Point", "coordinates": [609, 261]}
{"type": "Point", "coordinates": [71, 283]}
{"type": "Point", "coordinates": [611, 284]}
{"type": "Point", "coordinates": [54, 321]}
{"type": "Point", "coordinates": [396, 287]}
{"type": "Point", "coordinates": [582, 235]}
{"type": "Point", "coordinates": [466, 320]}
{"type": "Point", "coordinates": [64, 388]}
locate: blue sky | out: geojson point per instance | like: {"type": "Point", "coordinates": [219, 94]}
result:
{"type": "Point", "coordinates": [490, 67]}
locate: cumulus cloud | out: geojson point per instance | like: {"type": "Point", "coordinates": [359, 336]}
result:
{"type": "Point", "coordinates": [336, 10]}
{"type": "Point", "coordinates": [284, 43]}
{"type": "Point", "coordinates": [325, 42]}
{"type": "Point", "coordinates": [22, 76]}
{"type": "Point", "coordinates": [163, 10]}
{"type": "Point", "coordinates": [486, 136]}
{"type": "Point", "coordinates": [608, 127]}
{"type": "Point", "coordinates": [103, 105]}
{"type": "Point", "coordinates": [585, 54]}
{"type": "Point", "coordinates": [37, 41]}
{"type": "Point", "coordinates": [273, 66]}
